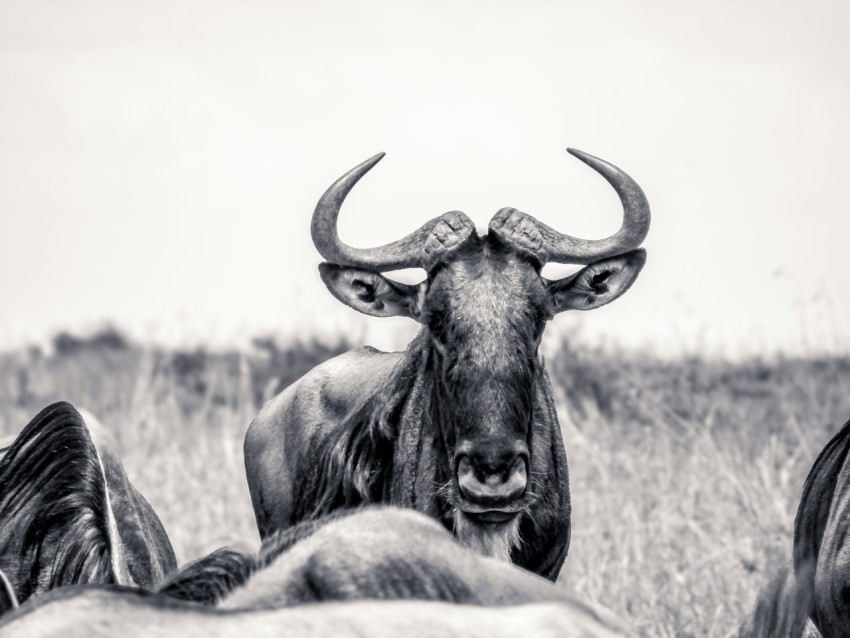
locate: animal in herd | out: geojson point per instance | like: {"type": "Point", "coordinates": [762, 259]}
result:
{"type": "Point", "coordinates": [462, 425]}
{"type": "Point", "coordinates": [68, 513]}
{"type": "Point", "coordinates": [821, 543]}
{"type": "Point", "coordinates": [104, 612]}
{"type": "Point", "coordinates": [815, 586]}
{"type": "Point", "coordinates": [83, 554]}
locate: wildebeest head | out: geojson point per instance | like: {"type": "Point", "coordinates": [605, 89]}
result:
{"type": "Point", "coordinates": [483, 306]}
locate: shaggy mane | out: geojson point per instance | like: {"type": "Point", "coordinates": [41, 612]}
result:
{"type": "Point", "coordinates": [815, 505]}
{"type": "Point", "coordinates": [211, 578]}
{"type": "Point", "coordinates": [355, 460]}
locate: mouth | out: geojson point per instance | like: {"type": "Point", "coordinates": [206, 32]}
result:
{"type": "Point", "coordinates": [491, 517]}
{"type": "Point", "coordinates": [488, 516]}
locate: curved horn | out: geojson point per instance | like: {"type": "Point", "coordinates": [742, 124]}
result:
{"type": "Point", "coordinates": [413, 251]}
{"type": "Point", "coordinates": [566, 249]}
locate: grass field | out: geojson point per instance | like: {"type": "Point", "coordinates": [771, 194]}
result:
{"type": "Point", "coordinates": [685, 475]}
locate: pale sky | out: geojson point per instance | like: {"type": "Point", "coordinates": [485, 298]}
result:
{"type": "Point", "coordinates": [159, 161]}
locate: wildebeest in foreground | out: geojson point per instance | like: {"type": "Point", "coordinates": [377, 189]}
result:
{"type": "Point", "coordinates": [68, 513]}
{"type": "Point", "coordinates": [461, 426]}
{"type": "Point", "coordinates": [816, 585]}
{"type": "Point", "coordinates": [106, 612]}
{"type": "Point", "coordinates": [371, 553]}
{"type": "Point", "coordinates": [822, 538]}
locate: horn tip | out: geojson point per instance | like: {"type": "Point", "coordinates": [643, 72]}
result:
{"type": "Point", "coordinates": [364, 167]}
{"type": "Point", "coordinates": [370, 163]}
{"type": "Point", "coordinates": [591, 160]}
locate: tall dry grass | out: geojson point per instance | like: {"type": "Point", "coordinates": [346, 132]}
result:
{"type": "Point", "coordinates": [685, 475]}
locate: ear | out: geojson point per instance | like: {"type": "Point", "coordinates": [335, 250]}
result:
{"type": "Point", "coordinates": [598, 283]}
{"type": "Point", "coordinates": [371, 293]}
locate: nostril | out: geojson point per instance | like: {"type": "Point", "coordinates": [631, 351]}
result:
{"type": "Point", "coordinates": [518, 471]}
{"type": "Point", "coordinates": [465, 467]}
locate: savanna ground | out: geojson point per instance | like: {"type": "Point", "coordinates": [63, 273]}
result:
{"type": "Point", "coordinates": [685, 475]}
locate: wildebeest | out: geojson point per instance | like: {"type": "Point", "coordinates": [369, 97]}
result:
{"type": "Point", "coordinates": [461, 426]}
{"type": "Point", "coordinates": [368, 554]}
{"type": "Point", "coordinates": [375, 553]}
{"type": "Point", "coordinates": [372, 559]}
{"type": "Point", "coordinates": [822, 538]}
{"type": "Point", "coordinates": [104, 612]}
{"type": "Point", "coordinates": [816, 585]}
{"type": "Point", "coordinates": [68, 513]}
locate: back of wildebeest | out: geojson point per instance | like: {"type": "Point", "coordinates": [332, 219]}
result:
{"type": "Point", "coordinates": [105, 612]}
{"type": "Point", "coordinates": [367, 555]}
{"type": "Point", "coordinates": [390, 553]}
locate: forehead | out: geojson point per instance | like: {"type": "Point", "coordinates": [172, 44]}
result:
{"type": "Point", "coordinates": [489, 287]}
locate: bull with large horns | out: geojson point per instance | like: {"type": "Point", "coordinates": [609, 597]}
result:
{"type": "Point", "coordinates": [462, 425]}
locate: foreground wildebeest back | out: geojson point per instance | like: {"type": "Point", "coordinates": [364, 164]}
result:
{"type": "Point", "coordinates": [462, 425]}
{"type": "Point", "coordinates": [69, 515]}
{"type": "Point", "coordinates": [376, 571]}
{"type": "Point", "coordinates": [386, 553]}
{"type": "Point", "coordinates": [821, 543]}
{"type": "Point", "coordinates": [374, 553]}
{"type": "Point", "coordinates": [102, 611]}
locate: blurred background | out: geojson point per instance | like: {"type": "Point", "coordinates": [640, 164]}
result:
{"type": "Point", "coordinates": [160, 161]}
